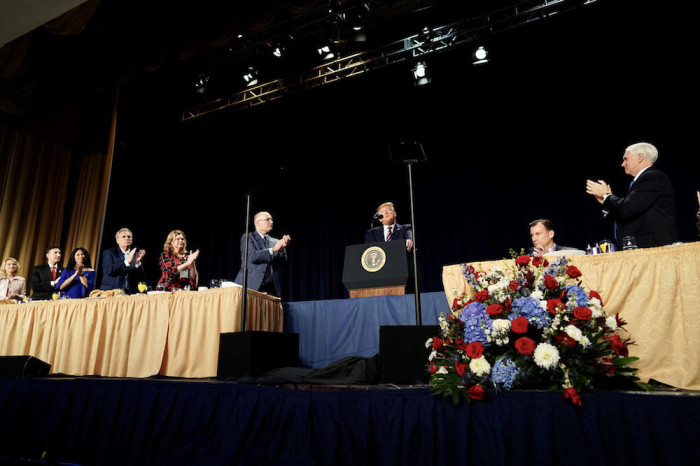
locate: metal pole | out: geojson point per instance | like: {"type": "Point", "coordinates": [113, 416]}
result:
{"type": "Point", "coordinates": [244, 299]}
{"type": "Point", "coordinates": [416, 273]}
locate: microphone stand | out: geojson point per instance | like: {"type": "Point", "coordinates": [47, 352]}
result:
{"type": "Point", "coordinates": [416, 273]}
{"type": "Point", "coordinates": [244, 300]}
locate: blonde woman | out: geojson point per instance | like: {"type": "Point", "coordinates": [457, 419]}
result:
{"type": "Point", "coordinates": [12, 286]}
{"type": "Point", "coordinates": [178, 269]}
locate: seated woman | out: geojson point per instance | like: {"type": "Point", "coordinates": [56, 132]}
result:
{"type": "Point", "coordinates": [12, 286]}
{"type": "Point", "coordinates": [78, 278]}
{"type": "Point", "coordinates": [178, 269]}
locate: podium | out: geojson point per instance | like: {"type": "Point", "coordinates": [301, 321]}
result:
{"type": "Point", "coordinates": [377, 269]}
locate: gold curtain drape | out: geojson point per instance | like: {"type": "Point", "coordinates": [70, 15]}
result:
{"type": "Point", "coordinates": [40, 159]}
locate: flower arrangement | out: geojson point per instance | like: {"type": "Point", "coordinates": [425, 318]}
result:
{"type": "Point", "coordinates": [528, 325]}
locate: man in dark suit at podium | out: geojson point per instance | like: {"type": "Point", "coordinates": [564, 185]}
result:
{"type": "Point", "coordinates": [389, 230]}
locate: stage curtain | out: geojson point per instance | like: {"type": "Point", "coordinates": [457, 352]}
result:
{"type": "Point", "coordinates": [655, 290]}
{"type": "Point", "coordinates": [151, 422]}
{"type": "Point", "coordinates": [55, 180]}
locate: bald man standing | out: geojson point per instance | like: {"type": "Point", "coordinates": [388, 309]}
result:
{"type": "Point", "coordinates": [267, 257]}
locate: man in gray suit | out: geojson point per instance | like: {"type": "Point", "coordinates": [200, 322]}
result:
{"type": "Point", "coordinates": [267, 257]}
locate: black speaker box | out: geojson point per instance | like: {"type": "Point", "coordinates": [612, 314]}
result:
{"type": "Point", "coordinates": [403, 357]}
{"type": "Point", "coordinates": [253, 353]}
{"type": "Point", "coordinates": [20, 367]}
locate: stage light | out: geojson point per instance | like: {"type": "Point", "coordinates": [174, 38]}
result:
{"type": "Point", "coordinates": [278, 51]}
{"type": "Point", "coordinates": [480, 56]}
{"type": "Point", "coordinates": [420, 74]}
{"type": "Point", "coordinates": [200, 85]}
{"type": "Point", "coordinates": [250, 77]}
{"type": "Point", "coordinates": [325, 52]}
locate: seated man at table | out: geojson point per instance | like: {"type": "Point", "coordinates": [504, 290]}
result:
{"type": "Point", "coordinates": [43, 277]}
{"type": "Point", "coordinates": [542, 236]}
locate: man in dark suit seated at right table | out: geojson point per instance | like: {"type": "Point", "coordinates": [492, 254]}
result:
{"type": "Point", "coordinates": [542, 236]}
{"type": "Point", "coordinates": [390, 230]}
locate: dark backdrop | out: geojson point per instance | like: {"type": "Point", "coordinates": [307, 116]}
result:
{"type": "Point", "coordinates": [506, 143]}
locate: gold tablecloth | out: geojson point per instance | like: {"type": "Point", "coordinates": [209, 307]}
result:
{"type": "Point", "coordinates": [656, 290]}
{"type": "Point", "coordinates": [172, 334]}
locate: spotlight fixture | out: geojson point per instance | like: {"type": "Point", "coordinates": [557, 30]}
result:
{"type": "Point", "coordinates": [325, 52]}
{"type": "Point", "coordinates": [420, 74]}
{"type": "Point", "coordinates": [250, 77]}
{"type": "Point", "coordinates": [200, 85]}
{"type": "Point", "coordinates": [480, 56]}
{"type": "Point", "coordinates": [278, 51]}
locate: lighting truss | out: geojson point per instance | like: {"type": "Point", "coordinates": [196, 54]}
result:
{"type": "Point", "coordinates": [440, 39]}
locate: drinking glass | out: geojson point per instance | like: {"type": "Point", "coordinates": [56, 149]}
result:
{"type": "Point", "coordinates": [142, 287]}
{"type": "Point", "coordinates": [629, 243]}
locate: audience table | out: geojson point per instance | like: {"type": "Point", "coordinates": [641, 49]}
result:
{"type": "Point", "coordinates": [655, 290]}
{"type": "Point", "coordinates": [170, 334]}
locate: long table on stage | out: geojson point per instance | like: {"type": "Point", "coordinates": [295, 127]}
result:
{"type": "Point", "coordinates": [171, 334]}
{"type": "Point", "coordinates": [656, 291]}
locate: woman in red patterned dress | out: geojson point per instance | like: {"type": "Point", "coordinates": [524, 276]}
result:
{"type": "Point", "coordinates": [178, 270]}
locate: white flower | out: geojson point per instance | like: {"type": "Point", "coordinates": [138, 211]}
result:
{"type": "Point", "coordinates": [480, 366]}
{"type": "Point", "coordinates": [595, 307]}
{"type": "Point", "coordinates": [432, 355]}
{"type": "Point", "coordinates": [429, 342]}
{"type": "Point", "coordinates": [574, 332]}
{"type": "Point", "coordinates": [442, 370]}
{"type": "Point", "coordinates": [546, 355]}
{"type": "Point", "coordinates": [499, 326]}
{"type": "Point", "coordinates": [537, 294]}
{"type": "Point", "coordinates": [611, 323]}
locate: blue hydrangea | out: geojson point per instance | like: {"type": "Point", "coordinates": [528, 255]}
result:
{"type": "Point", "coordinates": [531, 309]}
{"type": "Point", "coordinates": [504, 372]}
{"type": "Point", "coordinates": [575, 296]}
{"type": "Point", "coordinates": [476, 322]}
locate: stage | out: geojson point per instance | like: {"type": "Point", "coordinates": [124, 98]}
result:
{"type": "Point", "coordinates": [109, 421]}
{"type": "Point", "coordinates": [309, 415]}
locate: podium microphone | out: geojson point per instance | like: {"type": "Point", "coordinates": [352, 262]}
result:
{"type": "Point", "coordinates": [377, 216]}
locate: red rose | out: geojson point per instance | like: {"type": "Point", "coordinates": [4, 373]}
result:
{"type": "Point", "coordinates": [550, 282]}
{"type": "Point", "coordinates": [494, 309]}
{"type": "Point", "coordinates": [461, 368]}
{"type": "Point", "coordinates": [525, 345]}
{"type": "Point", "coordinates": [539, 260]}
{"type": "Point", "coordinates": [571, 394]}
{"type": "Point", "coordinates": [456, 305]}
{"type": "Point", "coordinates": [594, 294]}
{"type": "Point", "coordinates": [476, 392]}
{"type": "Point", "coordinates": [481, 296]}
{"type": "Point", "coordinates": [522, 260]}
{"type": "Point", "coordinates": [514, 285]}
{"type": "Point", "coordinates": [553, 305]}
{"type": "Point", "coordinates": [572, 271]}
{"type": "Point", "coordinates": [583, 313]}
{"type": "Point", "coordinates": [475, 349]}
{"type": "Point", "coordinates": [433, 368]}
{"type": "Point", "coordinates": [519, 325]}
{"type": "Point", "coordinates": [437, 343]}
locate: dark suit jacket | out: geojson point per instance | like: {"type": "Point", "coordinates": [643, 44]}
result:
{"type": "Point", "coordinates": [258, 259]}
{"type": "Point", "coordinates": [40, 281]}
{"type": "Point", "coordinates": [115, 273]}
{"type": "Point", "coordinates": [376, 234]}
{"type": "Point", "coordinates": [647, 212]}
